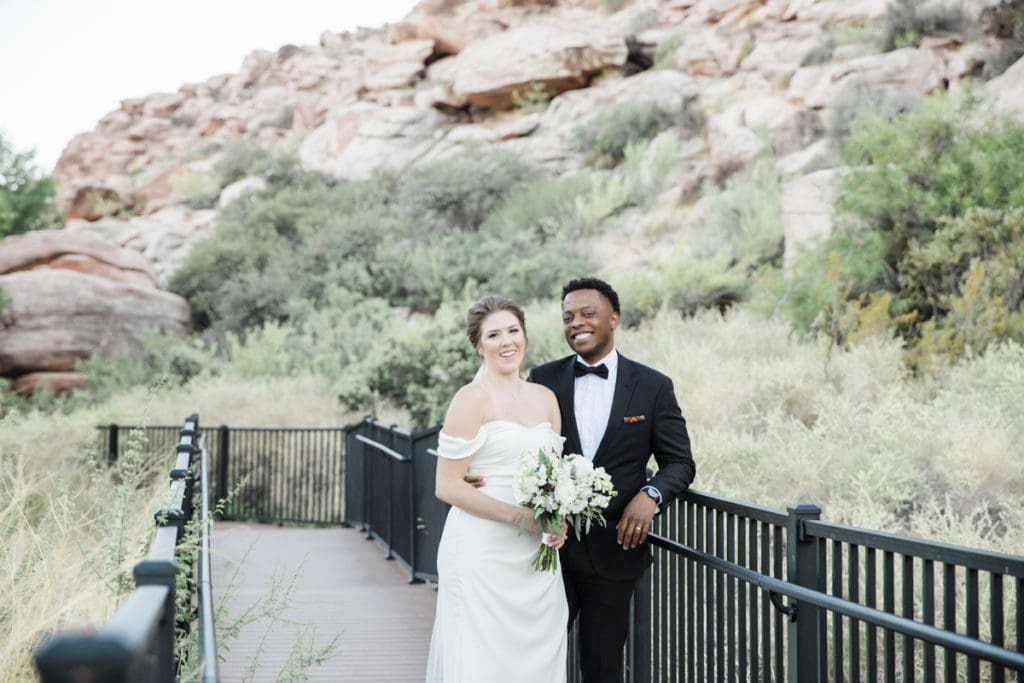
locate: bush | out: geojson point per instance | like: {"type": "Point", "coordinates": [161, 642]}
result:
{"type": "Point", "coordinates": [412, 241]}
{"type": "Point", "coordinates": [614, 127]}
{"type": "Point", "coordinates": [929, 223]}
{"type": "Point", "coordinates": [196, 189]}
{"type": "Point", "coordinates": [26, 198]}
{"type": "Point", "coordinates": [459, 192]}
{"type": "Point", "coordinates": [298, 240]}
{"type": "Point", "coordinates": [910, 20]}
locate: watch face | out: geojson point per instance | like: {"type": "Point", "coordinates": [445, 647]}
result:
{"type": "Point", "coordinates": [651, 493]}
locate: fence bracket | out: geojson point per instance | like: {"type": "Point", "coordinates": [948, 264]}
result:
{"type": "Point", "coordinates": [788, 610]}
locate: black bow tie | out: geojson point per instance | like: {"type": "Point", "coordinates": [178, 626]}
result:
{"type": "Point", "coordinates": [579, 369]}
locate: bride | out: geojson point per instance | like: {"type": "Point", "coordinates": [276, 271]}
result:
{"type": "Point", "coordinates": [497, 618]}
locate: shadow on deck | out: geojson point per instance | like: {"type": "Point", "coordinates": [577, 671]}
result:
{"type": "Point", "coordinates": [342, 588]}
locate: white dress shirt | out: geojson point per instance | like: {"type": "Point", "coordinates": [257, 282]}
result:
{"type": "Point", "coordinates": [592, 404]}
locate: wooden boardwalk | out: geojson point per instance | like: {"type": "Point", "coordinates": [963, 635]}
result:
{"type": "Point", "coordinates": [343, 588]}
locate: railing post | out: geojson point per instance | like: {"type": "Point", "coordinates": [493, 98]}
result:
{"type": "Point", "coordinates": [112, 445]}
{"type": "Point", "coordinates": [805, 566]}
{"type": "Point", "coordinates": [223, 445]}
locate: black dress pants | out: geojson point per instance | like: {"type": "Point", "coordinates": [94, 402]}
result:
{"type": "Point", "coordinates": [601, 607]}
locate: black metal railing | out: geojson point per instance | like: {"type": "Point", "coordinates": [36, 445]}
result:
{"type": "Point", "coordinates": [389, 488]}
{"type": "Point", "coordinates": [137, 643]}
{"type": "Point", "coordinates": [742, 592]}
{"type": "Point", "coordinates": [290, 474]}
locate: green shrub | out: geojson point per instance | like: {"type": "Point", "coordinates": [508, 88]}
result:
{"type": "Point", "coordinates": [166, 359]}
{"type": "Point", "coordinates": [533, 97]}
{"type": "Point", "coordinates": [196, 189]}
{"type": "Point", "coordinates": [910, 170]}
{"type": "Point", "coordinates": [240, 160]}
{"type": "Point", "coordinates": [457, 193]}
{"type": "Point", "coordinates": [910, 20]}
{"type": "Point", "coordinates": [929, 223]}
{"type": "Point", "coordinates": [26, 198]}
{"type": "Point", "coordinates": [613, 128]}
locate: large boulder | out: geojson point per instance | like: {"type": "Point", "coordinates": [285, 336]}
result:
{"type": "Point", "coordinates": [163, 239]}
{"type": "Point", "coordinates": [80, 252]}
{"type": "Point", "coordinates": [56, 317]}
{"type": "Point", "coordinates": [909, 71]}
{"type": "Point", "coordinates": [355, 140]}
{"type": "Point", "coordinates": [559, 52]}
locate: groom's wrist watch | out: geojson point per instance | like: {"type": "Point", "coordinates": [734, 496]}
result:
{"type": "Point", "coordinates": [655, 495]}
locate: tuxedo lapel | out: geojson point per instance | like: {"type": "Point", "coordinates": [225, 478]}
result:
{"type": "Point", "coordinates": [565, 392]}
{"type": "Point", "coordinates": [625, 383]}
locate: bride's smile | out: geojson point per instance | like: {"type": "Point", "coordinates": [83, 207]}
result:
{"type": "Point", "coordinates": [502, 342]}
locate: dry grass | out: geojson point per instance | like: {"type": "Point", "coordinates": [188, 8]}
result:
{"type": "Point", "coordinates": [67, 527]}
{"type": "Point", "coordinates": [774, 422]}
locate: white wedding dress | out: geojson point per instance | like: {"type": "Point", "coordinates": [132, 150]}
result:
{"type": "Point", "coordinates": [498, 619]}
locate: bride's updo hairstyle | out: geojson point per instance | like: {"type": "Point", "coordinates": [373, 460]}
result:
{"type": "Point", "coordinates": [492, 303]}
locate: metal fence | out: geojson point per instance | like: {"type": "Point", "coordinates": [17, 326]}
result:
{"type": "Point", "coordinates": [292, 475]}
{"type": "Point", "coordinates": [389, 484]}
{"type": "Point", "coordinates": [741, 592]}
{"type": "Point", "coordinates": [137, 643]}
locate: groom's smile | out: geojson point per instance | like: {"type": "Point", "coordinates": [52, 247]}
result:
{"type": "Point", "coordinates": [589, 322]}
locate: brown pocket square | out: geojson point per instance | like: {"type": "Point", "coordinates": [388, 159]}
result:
{"type": "Point", "coordinates": [633, 418]}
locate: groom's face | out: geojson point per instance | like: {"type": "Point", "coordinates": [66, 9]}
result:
{"type": "Point", "coordinates": [589, 323]}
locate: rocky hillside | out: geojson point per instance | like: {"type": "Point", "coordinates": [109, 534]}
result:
{"type": "Point", "coordinates": [744, 79]}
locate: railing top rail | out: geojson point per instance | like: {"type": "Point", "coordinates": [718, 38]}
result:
{"type": "Point", "coordinates": [376, 445]}
{"type": "Point", "coordinates": [931, 634]}
{"type": "Point", "coordinates": [749, 510]}
{"type": "Point", "coordinates": [395, 429]}
{"type": "Point", "coordinates": [204, 588]}
{"type": "Point", "coordinates": [926, 550]}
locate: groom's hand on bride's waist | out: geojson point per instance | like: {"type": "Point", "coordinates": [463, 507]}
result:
{"type": "Point", "coordinates": [636, 521]}
{"type": "Point", "coordinates": [474, 481]}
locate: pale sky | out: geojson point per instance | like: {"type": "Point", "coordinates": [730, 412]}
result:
{"type": "Point", "coordinates": [64, 64]}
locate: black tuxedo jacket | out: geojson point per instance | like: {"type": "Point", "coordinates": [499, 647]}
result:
{"type": "Point", "coordinates": [645, 420]}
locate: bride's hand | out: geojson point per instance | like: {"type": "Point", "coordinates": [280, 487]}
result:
{"type": "Point", "coordinates": [557, 541]}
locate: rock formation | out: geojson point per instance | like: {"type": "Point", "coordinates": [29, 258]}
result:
{"type": "Point", "coordinates": [73, 295]}
{"type": "Point", "coordinates": [742, 79]}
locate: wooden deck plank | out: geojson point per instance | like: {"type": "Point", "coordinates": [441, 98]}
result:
{"type": "Point", "coordinates": [344, 588]}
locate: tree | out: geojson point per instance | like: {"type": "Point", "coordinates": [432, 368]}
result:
{"type": "Point", "coordinates": [26, 198]}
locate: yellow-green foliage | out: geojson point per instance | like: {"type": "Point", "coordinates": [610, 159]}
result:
{"type": "Point", "coordinates": [197, 189]}
{"type": "Point", "coordinates": [931, 221]}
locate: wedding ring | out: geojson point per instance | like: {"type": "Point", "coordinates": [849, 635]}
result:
{"type": "Point", "coordinates": [638, 528]}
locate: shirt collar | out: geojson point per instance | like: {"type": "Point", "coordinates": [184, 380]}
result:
{"type": "Point", "coordinates": [611, 361]}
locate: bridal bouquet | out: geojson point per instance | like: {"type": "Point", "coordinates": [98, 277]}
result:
{"type": "Point", "coordinates": [558, 487]}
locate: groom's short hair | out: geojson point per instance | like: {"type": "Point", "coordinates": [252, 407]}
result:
{"type": "Point", "coordinates": [593, 283]}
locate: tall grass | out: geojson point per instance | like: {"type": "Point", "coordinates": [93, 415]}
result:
{"type": "Point", "coordinates": [72, 529]}
{"type": "Point", "coordinates": [775, 420]}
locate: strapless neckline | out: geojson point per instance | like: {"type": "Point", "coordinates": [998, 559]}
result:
{"type": "Point", "coordinates": [546, 423]}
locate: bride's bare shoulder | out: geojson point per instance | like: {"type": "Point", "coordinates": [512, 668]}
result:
{"type": "Point", "coordinates": [465, 412]}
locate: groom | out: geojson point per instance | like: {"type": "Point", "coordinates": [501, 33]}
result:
{"type": "Point", "coordinates": [617, 413]}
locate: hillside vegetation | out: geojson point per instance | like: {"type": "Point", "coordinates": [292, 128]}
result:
{"type": "Point", "coordinates": [878, 377]}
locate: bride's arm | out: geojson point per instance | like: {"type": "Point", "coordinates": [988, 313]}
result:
{"type": "Point", "coordinates": [454, 490]}
{"type": "Point", "coordinates": [463, 421]}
